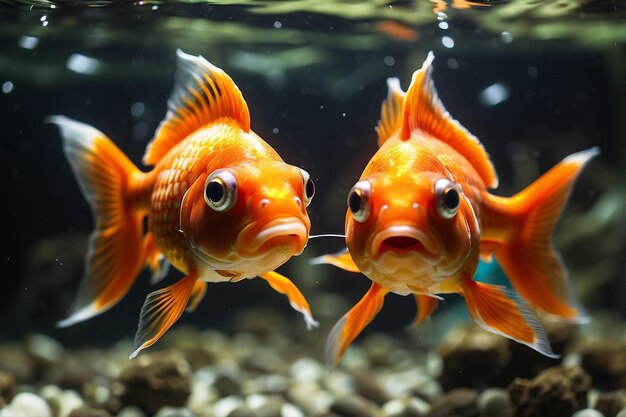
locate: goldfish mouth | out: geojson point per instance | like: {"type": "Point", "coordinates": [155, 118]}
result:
{"type": "Point", "coordinates": [280, 232]}
{"type": "Point", "coordinates": [403, 239]}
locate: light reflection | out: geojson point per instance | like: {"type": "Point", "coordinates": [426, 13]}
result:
{"type": "Point", "coordinates": [82, 64]}
{"type": "Point", "coordinates": [447, 41]}
{"type": "Point", "coordinates": [494, 94]}
{"type": "Point", "coordinates": [443, 25]}
{"type": "Point", "coordinates": [7, 87]}
{"type": "Point", "coordinates": [28, 42]}
{"type": "Point", "coordinates": [137, 109]}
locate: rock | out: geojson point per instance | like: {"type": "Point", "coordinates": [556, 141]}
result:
{"type": "Point", "coordinates": [355, 406]}
{"type": "Point", "coordinates": [89, 412]}
{"type": "Point", "coordinates": [43, 348]}
{"type": "Point", "coordinates": [14, 361]}
{"type": "Point", "coordinates": [307, 370]}
{"type": "Point", "coordinates": [605, 361]}
{"type": "Point", "coordinates": [460, 402]}
{"type": "Point", "coordinates": [62, 402]}
{"type": "Point", "coordinates": [26, 404]}
{"type": "Point", "coordinates": [556, 392]}
{"type": "Point", "coordinates": [467, 351]}
{"type": "Point", "coordinates": [622, 413]}
{"type": "Point", "coordinates": [494, 402]}
{"type": "Point", "coordinates": [588, 412]}
{"type": "Point", "coordinates": [7, 387]}
{"type": "Point", "coordinates": [224, 406]}
{"type": "Point", "coordinates": [155, 380]}
{"type": "Point", "coordinates": [610, 403]}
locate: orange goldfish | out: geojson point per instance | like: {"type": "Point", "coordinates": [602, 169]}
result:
{"type": "Point", "coordinates": [221, 204]}
{"type": "Point", "coordinates": [420, 217]}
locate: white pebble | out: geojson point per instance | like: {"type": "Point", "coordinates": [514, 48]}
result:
{"type": "Point", "coordinates": [413, 406]}
{"type": "Point", "coordinates": [290, 410]}
{"type": "Point", "coordinates": [173, 412]}
{"type": "Point", "coordinates": [307, 370]}
{"type": "Point", "coordinates": [622, 413]}
{"type": "Point", "coordinates": [131, 411]}
{"type": "Point", "coordinates": [494, 402]}
{"type": "Point", "coordinates": [588, 412]}
{"type": "Point", "coordinates": [225, 406]}
{"type": "Point", "coordinates": [26, 404]}
{"type": "Point", "coordinates": [63, 402]}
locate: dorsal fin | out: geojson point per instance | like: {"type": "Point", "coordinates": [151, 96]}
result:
{"type": "Point", "coordinates": [390, 111]}
{"type": "Point", "coordinates": [424, 111]}
{"type": "Point", "coordinates": [202, 94]}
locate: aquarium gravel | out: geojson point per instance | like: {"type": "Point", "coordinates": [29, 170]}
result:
{"type": "Point", "coordinates": [267, 369]}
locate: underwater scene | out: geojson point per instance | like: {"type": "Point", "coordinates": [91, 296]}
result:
{"type": "Point", "coordinates": [313, 208]}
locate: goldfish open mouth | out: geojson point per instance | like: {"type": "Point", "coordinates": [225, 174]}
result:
{"type": "Point", "coordinates": [279, 232]}
{"type": "Point", "coordinates": [403, 239]}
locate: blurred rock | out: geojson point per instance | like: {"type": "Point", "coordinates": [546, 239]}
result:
{"type": "Point", "coordinates": [472, 357]}
{"type": "Point", "coordinates": [154, 380]}
{"type": "Point", "coordinates": [460, 402]}
{"type": "Point", "coordinates": [610, 403]}
{"type": "Point", "coordinates": [556, 392]}
{"type": "Point", "coordinates": [605, 361]}
{"type": "Point", "coordinates": [494, 402]}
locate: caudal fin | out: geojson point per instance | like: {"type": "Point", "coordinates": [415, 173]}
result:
{"type": "Point", "coordinates": [529, 259]}
{"type": "Point", "coordinates": [114, 255]}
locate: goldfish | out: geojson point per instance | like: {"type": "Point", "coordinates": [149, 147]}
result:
{"type": "Point", "coordinates": [221, 204]}
{"type": "Point", "coordinates": [421, 217]}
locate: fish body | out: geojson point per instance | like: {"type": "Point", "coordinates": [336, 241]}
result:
{"type": "Point", "coordinates": [221, 205]}
{"type": "Point", "coordinates": [421, 216]}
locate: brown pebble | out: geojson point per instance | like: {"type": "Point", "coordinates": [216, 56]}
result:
{"type": "Point", "coordinates": [354, 406]}
{"type": "Point", "coordinates": [556, 392]}
{"type": "Point", "coordinates": [7, 387]}
{"type": "Point", "coordinates": [89, 412]}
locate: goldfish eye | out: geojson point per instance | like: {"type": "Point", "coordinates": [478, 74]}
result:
{"type": "Point", "coordinates": [220, 190]}
{"type": "Point", "coordinates": [359, 201]}
{"type": "Point", "coordinates": [309, 187]}
{"type": "Point", "coordinates": [448, 198]}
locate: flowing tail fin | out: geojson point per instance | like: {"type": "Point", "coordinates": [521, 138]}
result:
{"type": "Point", "coordinates": [528, 258]}
{"type": "Point", "coordinates": [114, 256]}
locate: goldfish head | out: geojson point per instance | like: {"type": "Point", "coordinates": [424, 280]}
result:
{"type": "Point", "coordinates": [409, 229]}
{"type": "Point", "coordinates": [247, 219]}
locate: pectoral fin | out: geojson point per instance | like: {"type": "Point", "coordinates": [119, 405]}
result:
{"type": "Point", "coordinates": [353, 322]}
{"type": "Point", "coordinates": [503, 312]}
{"type": "Point", "coordinates": [197, 294]}
{"type": "Point", "coordinates": [341, 260]}
{"type": "Point", "coordinates": [283, 285]}
{"type": "Point", "coordinates": [425, 307]}
{"type": "Point", "coordinates": [154, 259]}
{"type": "Point", "coordinates": [161, 310]}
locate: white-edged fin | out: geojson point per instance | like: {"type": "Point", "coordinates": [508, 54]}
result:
{"type": "Point", "coordinates": [114, 252]}
{"type": "Point", "coordinates": [203, 93]}
{"type": "Point", "coordinates": [390, 111]}
{"type": "Point", "coordinates": [161, 310]}
{"type": "Point", "coordinates": [502, 311]}
{"type": "Point", "coordinates": [297, 301]}
{"type": "Point", "coordinates": [423, 111]}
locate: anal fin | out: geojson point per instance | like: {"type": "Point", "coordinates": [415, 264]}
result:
{"type": "Point", "coordinates": [503, 312]}
{"type": "Point", "coordinates": [425, 307]}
